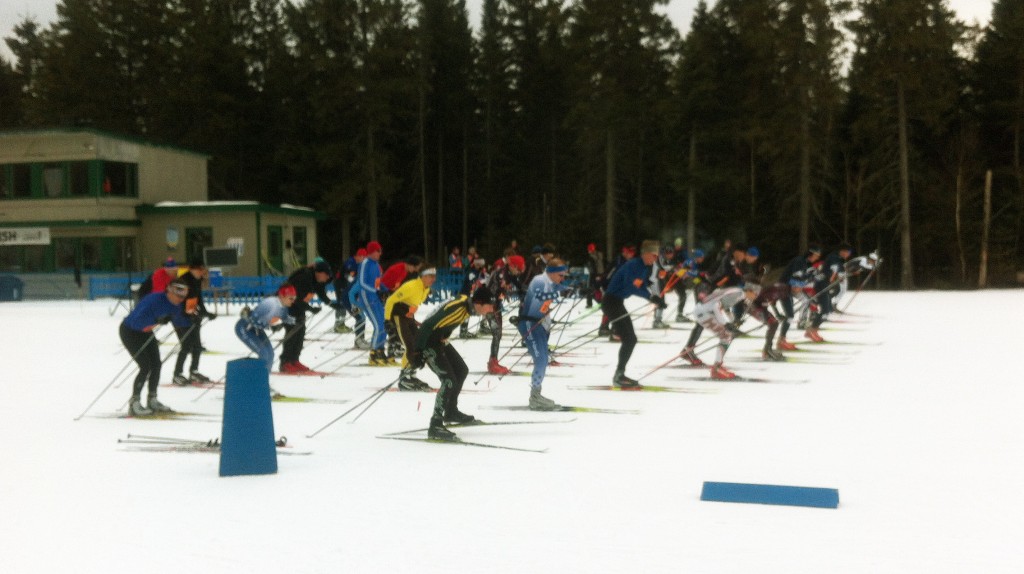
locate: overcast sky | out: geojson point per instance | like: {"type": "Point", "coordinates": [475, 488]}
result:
{"type": "Point", "coordinates": [680, 11]}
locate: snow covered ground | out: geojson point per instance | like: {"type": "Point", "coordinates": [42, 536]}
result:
{"type": "Point", "coordinates": [921, 433]}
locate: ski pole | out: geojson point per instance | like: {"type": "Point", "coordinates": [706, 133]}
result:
{"type": "Point", "coordinates": [566, 324]}
{"type": "Point", "coordinates": [569, 345]}
{"type": "Point", "coordinates": [861, 286]}
{"type": "Point", "coordinates": [171, 352]}
{"type": "Point", "coordinates": [379, 392]}
{"type": "Point", "coordinates": [152, 337]}
{"type": "Point", "coordinates": [700, 347]}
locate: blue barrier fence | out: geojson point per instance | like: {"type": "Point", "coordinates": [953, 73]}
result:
{"type": "Point", "coordinates": [248, 290]}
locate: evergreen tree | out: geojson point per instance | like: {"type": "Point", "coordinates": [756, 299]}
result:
{"type": "Point", "coordinates": [999, 88]}
{"type": "Point", "coordinates": [906, 84]}
{"type": "Point", "coordinates": [622, 54]}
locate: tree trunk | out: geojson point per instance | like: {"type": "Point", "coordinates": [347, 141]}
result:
{"type": "Point", "coordinates": [906, 256]}
{"type": "Point", "coordinates": [986, 217]}
{"type": "Point", "coordinates": [423, 173]}
{"type": "Point", "coordinates": [465, 185]}
{"type": "Point", "coordinates": [609, 190]}
{"type": "Point", "coordinates": [691, 196]}
{"type": "Point", "coordinates": [440, 195]}
{"type": "Point", "coordinates": [753, 184]}
{"type": "Point", "coordinates": [1017, 164]}
{"type": "Point", "coordinates": [805, 173]}
{"type": "Point", "coordinates": [371, 184]}
{"type": "Point", "coordinates": [959, 223]}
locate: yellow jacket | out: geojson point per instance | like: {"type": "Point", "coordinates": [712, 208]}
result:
{"type": "Point", "coordinates": [412, 294]}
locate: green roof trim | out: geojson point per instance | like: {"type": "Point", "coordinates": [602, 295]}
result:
{"type": "Point", "coordinates": [149, 209]}
{"type": "Point", "coordinates": [105, 134]}
{"type": "Point", "coordinates": [74, 223]}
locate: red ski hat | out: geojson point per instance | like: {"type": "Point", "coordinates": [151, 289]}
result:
{"type": "Point", "coordinates": [286, 290]}
{"type": "Point", "coordinates": [373, 247]}
{"type": "Point", "coordinates": [517, 261]}
{"type": "Point", "coordinates": [360, 252]}
{"type": "Point", "coordinates": [591, 248]}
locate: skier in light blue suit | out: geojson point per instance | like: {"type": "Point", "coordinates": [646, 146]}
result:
{"type": "Point", "coordinates": [535, 325]}
{"type": "Point", "coordinates": [271, 311]}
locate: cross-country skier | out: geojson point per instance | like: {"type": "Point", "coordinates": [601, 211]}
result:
{"type": "Point", "coordinates": [661, 272]}
{"type": "Point", "coordinates": [189, 338]}
{"type": "Point", "coordinates": [393, 278]}
{"type": "Point", "coordinates": [476, 275]}
{"type": "Point", "coordinates": [535, 326]}
{"type": "Point", "coordinates": [308, 281]}
{"type": "Point", "coordinates": [689, 274]}
{"type": "Point", "coordinates": [503, 281]}
{"type": "Point", "coordinates": [632, 279]}
{"type": "Point", "coordinates": [344, 279]}
{"type": "Point", "coordinates": [433, 349]}
{"type": "Point", "coordinates": [364, 294]}
{"type": "Point", "coordinates": [400, 312]}
{"type": "Point", "coordinates": [760, 309]}
{"type": "Point", "coordinates": [271, 313]}
{"type": "Point", "coordinates": [796, 274]}
{"type": "Point", "coordinates": [710, 314]}
{"type": "Point", "coordinates": [136, 332]}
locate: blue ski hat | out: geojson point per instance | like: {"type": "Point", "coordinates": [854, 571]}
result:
{"type": "Point", "coordinates": [696, 253]}
{"type": "Point", "coordinates": [754, 252]}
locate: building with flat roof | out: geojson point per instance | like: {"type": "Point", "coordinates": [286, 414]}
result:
{"type": "Point", "coordinates": [81, 201]}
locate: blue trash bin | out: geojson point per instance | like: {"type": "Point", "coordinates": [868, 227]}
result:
{"type": "Point", "coordinates": [11, 288]}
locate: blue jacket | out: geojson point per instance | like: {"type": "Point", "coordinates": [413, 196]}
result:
{"type": "Point", "coordinates": [633, 278]}
{"type": "Point", "coordinates": [152, 307]}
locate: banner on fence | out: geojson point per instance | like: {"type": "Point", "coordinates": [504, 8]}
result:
{"type": "Point", "coordinates": [24, 236]}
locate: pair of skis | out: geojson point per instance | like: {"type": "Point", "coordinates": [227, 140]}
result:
{"type": "Point", "coordinates": [149, 443]}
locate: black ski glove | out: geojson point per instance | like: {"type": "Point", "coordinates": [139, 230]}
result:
{"type": "Point", "coordinates": [659, 301]}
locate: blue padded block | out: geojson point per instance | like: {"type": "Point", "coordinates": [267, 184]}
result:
{"type": "Point", "coordinates": [247, 434]}
{"type": "Point", "coordinates": [770, 494]}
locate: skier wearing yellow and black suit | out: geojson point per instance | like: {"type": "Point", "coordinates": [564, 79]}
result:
{"type": "Point", "coordinates": [400, 311]}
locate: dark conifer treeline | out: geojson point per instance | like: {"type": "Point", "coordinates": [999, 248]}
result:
{"type": "Point", "coordinates": [776, 122]}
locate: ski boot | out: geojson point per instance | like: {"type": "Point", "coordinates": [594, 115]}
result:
{"type": "Point", "coordinates": [784, 345]}
{"type": "Point", "coordinates": [181, 380]}
{"type": "Point", "coordinates": [197, 377]}
{"type": "Point", "coordinates": [437, 431]}
{"type": "Point", "coordinates": [362, 344]}
{"type": "Point", "coordinates": [539, 402]}
{"type": "Point", "coordinates": [813, 335]}
{"type": "Point", "coordinates": [136, 409]}
{"type": "Point", "coordinates": [495, 368]}
{"type": "Point", "coordinates": [408, 381]}
{"type": "Point", "coordinates": [769, 354]}
{"type": "Point", "coordinates": [659, 324]}
{"type": "Point", "coordinates": [621, 380]}
{"type": "Point", "coordinates": [377, 358]}
{"type": "Point", "coordinates": [341, 328]}
{"type": "Point", "coordinates": [691, 357]}
{"type": "Point", "coordinates": [156, 406]}
{"type": "Point", "coordinates": [455, 416]}
{"type": "Point", "coordinates": [719, 372]}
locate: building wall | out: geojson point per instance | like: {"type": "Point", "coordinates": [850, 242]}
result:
{"type": "Point", "coordinates": [165, 175]}
{"type": "Point", "coordinates": [68, 209]}
{"type": "Point", "coordinates": [224, 225]}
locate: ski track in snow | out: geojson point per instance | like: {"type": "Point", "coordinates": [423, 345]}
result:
{"type": "Point", "coordinates": [922, 436]}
